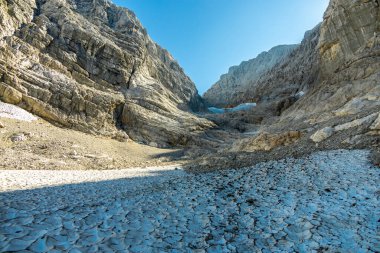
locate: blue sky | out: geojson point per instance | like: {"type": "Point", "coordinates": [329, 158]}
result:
{"type": "Point", "coordinates": [206, 37]}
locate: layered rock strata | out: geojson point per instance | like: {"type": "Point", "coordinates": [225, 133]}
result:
{"type": "Point", "coordinates": [90, 65]}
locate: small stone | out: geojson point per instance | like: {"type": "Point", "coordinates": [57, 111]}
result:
{"type": "Point", "coordinates": [69, 225]}
{"type": "Point", "coordinates": [18, 138]}
{"type": "Point", "coordinates": [1, 125]}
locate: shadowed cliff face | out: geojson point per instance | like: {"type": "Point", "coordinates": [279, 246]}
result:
{"type": "Point", "coordinates": [90, 65]}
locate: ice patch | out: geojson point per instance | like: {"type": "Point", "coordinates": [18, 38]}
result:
{"type": "Point", "coordinates": [241, 107]}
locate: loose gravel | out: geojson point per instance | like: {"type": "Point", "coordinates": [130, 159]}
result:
{"type": "Point", "coordinates": [327, 202]}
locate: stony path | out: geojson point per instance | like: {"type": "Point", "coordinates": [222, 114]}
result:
{"type": "Point", "coordinates": [328, 202]}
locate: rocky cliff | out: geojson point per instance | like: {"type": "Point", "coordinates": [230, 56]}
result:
{"type": "Point", "coordinates": [90, 65]}
{"type": "Point", "coordinates": [232, 86]}
{"type": "Point", "coordinates": [292, 69]}
{"type": "Point", "coordinates": [349, 53]}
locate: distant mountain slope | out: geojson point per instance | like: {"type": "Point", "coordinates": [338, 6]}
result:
{"type": "Point", "coordinates": [239, 78]}
{"type": "Point", "coordinates": [90, 65]}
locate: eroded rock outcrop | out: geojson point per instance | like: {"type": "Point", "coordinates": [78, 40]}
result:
{"type": "Point", "coordinates": [90, 65]}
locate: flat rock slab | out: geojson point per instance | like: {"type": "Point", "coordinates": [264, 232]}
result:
{"type": "Point", "coordinates": [326, 202]}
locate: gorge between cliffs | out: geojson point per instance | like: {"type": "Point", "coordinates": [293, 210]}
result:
{"type": "Point", "coordinates": [107, 146]}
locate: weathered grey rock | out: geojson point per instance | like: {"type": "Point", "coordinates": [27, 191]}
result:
{"type": "Point", "coordinates": [376, 124]}
{"type": "Point", "coordinates": [89, 64]}
{"type": "Point", "coordinates": [349, 47]}
{"type": "Point", "coordinates": [356, 123]}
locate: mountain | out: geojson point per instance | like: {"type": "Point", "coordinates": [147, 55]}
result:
{"type": "Point", "coordinates": [91, 66]}
{"type": "Point", "coordinates": [324, 95]}
{"type": "Point", "coordinates": [238, 80]}
{"type": "Point", "coordinates": [336, 62]}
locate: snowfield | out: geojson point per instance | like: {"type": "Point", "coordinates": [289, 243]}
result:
{"type": "Point", "coordinates": [327, 202]}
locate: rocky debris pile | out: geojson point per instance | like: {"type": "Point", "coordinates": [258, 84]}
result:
{"type": "Point", "coordinates": [324, 202]}
{"type": "Point", "coordinates": [90, 65]}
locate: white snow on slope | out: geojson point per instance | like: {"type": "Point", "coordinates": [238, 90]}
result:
{"type": "Point", "coordinates": [15, 112]}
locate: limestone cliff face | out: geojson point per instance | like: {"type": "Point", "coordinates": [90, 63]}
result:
{"type": "Point", "coordinates": [231, 86]}
{"type": "Point", "coordinates": [90, 65]}
{"type": "Point", "coordinates": [349, 50]}
{"type": "Point", "coordinates": [347, 27]}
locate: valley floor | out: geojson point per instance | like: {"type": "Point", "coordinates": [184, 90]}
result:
{"type": "Point", "coordinates": [326, 202]}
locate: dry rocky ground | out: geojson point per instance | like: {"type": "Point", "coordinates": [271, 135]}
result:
{"type": "Point", "coordinates": [41, 145]}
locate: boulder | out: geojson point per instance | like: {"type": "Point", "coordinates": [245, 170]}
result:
{"type": "Point", "coordinates": [9, 94]}
{"type": "Point", "coordinates": [322, 134]}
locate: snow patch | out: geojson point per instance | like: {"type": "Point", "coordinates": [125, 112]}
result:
{"type": "Point", "coordinates": [15, 112]}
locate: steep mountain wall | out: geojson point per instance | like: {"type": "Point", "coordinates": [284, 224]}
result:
{"type": "Point", "coordinates": [238, 80]}
{"type": "Point", "coordinates": [90, 65]}
{"type": "Point", "coordinates": [349, 50]}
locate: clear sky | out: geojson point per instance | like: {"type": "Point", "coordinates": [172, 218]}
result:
{"type": "Point", "coordinates": [207, 37]}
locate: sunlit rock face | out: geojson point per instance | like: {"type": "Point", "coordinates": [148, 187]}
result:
{"type": "Point", "coordinates": [349, 51]}
{"type": "Point", "coordinates": [90, 65]}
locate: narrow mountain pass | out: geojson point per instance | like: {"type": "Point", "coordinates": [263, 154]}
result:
{"type": "Point", "coordinates": [326, 202]}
